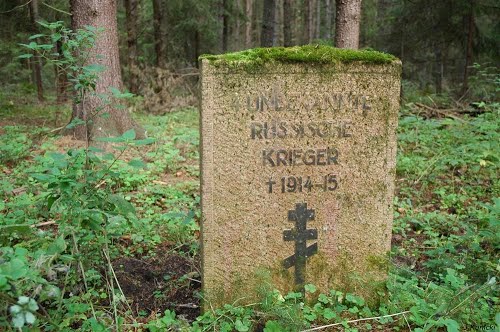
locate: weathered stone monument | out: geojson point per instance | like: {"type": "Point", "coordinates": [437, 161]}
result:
{"type": "Point", "coordinates": [298, 166]}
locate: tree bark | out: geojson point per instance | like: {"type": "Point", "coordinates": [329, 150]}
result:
{"type": "Point", "coordinates": [248, 23]}
{"type": "Point", "coordinates": [37, 63]}
{"type": "Point", "coordinates": [61, 79]}
{"type": "Point", "coordinates": [197, 41]}
{"type": "Point", "coordinates": [268, 23]}
{"type": "Point", "coordinates": [131, 24]}
{"type": "Point", "coordinates": [237, 30]}
{"type": "Point", "coordinates": [92, 107]}
{"type": "Point", "coordinates": [158, 35]}
{"type": "Point", "coordinates": [308, 24]}
{"type": "Point", "coordinates": [288, 22]}
{"type": "Point", "coordinates": [318, 20]}
{"type": "Point", "coordinates": [328, 20]}
{"type": "Point", "coordinates": [438, 70]}
{"type": "Point", "coordinates": [225, 26]}
{"type": "Point", "coordinates": [277, 22]}
{"type": "Point", "coordinates": [468, 49]}
{"type": "Point", "coordinates": [347, 23]}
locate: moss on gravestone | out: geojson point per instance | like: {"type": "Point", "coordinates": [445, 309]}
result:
{"type": "Point", "coordinates": [313, 54]}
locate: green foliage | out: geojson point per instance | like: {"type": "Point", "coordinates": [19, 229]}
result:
{"type": "Point", "coordinates": [485, 84]}
{"type": "Point", "coordinates": [69, 189]}
{"type": "Point", "coordinates": [15, 145]}
{"type": "Point", "coordinates": [71, 59]}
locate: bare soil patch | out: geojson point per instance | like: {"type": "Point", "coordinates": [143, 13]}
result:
{"type": "Point", "coordinates": [167, 280]}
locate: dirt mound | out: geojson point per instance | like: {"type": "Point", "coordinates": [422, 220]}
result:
{"type": "Point", "coordinates": [166, 281]}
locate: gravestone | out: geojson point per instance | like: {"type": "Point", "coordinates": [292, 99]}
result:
{"type": "Point", "coordinates": [298, 165]}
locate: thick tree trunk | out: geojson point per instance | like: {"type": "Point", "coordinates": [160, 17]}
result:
{"type": "Point", "coordinates": [347, 23]}
{"type": "Point", "coordinates": [158, 35]}
{"type": "Point", "coordinates": [102, 119]}
{"type": "Point", "coordinates": [37, 63]}
{"type": "Point", "coordinates": [468, 49]}
{"type": "Point", "coordinates": [131, 23]}
{"type": "Point", "coordinates": [248, 23]}
{"type": "Point", "coordinates": [288, 15]}
{"type": "Point", "coordinates": [268, 23]}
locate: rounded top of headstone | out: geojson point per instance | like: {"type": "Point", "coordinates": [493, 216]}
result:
{"type": "Point", "coordinates": [307, 54]}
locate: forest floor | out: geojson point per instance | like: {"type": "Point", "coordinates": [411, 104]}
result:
{"type": "Point", "coordinates": [444, 259]}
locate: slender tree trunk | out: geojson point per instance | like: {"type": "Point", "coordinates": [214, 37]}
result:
{"type": "Point", "coordinates": [288, 16]}
{"type": "Point", "coordinates": [158, 35]}
{"type": "Point", "coordinates": [278, 22]}
{"type": "Point", "coordinates": [91, 107]}
{"type": "Point", "coordinates": [347, 23]}
{"type": "Point", "coordinates": [403, 35]}
{"type": "Point", "coordinates": [438, 70]}
{"type": "Point", "coordinates": [328, 20]}
{"type": "Point", "coordinates": [196, 46]}
{"type": "Point", "coordinates": [225, 25]}
{"type": "Point", "coordinates": [318, 20]}
{"type": "Point", "coordinates": [468, 50]}
{"type": "Point", "coordinates": [308, 24]}
{"type": "Point", "coordinates": [61, 79]}
{"type": "Point", "coordinates": [131, 23]}
{"type": "Point", "coordinates": [237, 29]}
{"type": "Point", "coordinates": [37, 63]}
{"type": "Point", "coordinates": [248, 23]}
{"type": "Point", "coordinates": [268, 23]}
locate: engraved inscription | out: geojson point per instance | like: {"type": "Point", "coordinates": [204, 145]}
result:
{"type": "Point", "coordinates": [283, 129]}
{"type": "Point", "coordinates": [302, 184]}
{"type": "Point", "coordinates": [276, 101]}
{"type": "Point", "coordinates": [298, 157]}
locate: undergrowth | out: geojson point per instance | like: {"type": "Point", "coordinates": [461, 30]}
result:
{"type": "Point", "coordinates": [446, 233]}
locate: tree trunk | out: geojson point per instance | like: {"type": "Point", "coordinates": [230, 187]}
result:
{"type": "Point", "coordinates": [308, 24]}
{"type": "Point", "coordinates": [347, 23]}
{"type": "Point", "coordinates": [37, 63]}
{"type": "Point", "coordinates": [288, 15]}
{"type": "Point", "coordinates": [248, 24]}
{"type": "Point", "coordinates": [468, 50]}
{"type": "Point", "coordinates": [225, 26]}
{"type": "Point", "coordinates": [268, 23]}
{"type": "Point", "coordinates": [237, 30]}
{"type": "Point", "coordinates": [438, 70]}
{"type": "Point", "coordinates": [61, 79]}
{"type": "Point", "coordinates": [277, 22]}
{"type": "Point", "coordinates": [197, 41]}
{"type": "Point", "coordinates": [318, 20]}
{"type": "Point", "coordinates": [92, 107]}
{"type": "Point", "coordinates": [131, 23]}
{"type": "Point", "coordinates": [158, 35]}
{"type": "Point", "coordinates": [328, 20]}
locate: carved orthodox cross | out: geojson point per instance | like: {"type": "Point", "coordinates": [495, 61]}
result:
{"type": "Point", "coordinates": [301, 215]}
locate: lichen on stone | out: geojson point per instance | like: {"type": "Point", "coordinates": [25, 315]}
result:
{"type": "Point", "coordinates": [319, 54]}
